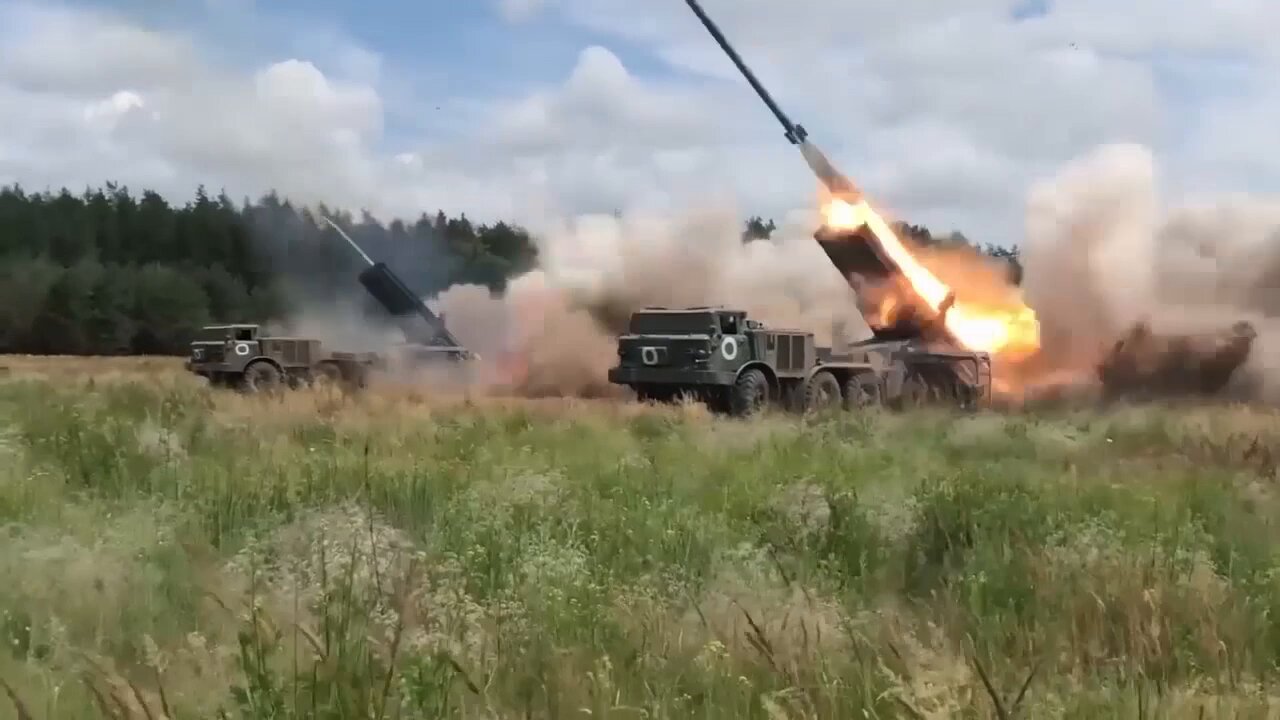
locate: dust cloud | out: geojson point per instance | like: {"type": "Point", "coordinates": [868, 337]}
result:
{"type": "Point", "coordinates": [341, 325]}
{"type": "Point", "coordinates": [1102, 254]}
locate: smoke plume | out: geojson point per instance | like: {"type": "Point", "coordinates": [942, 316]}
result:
{"type": "Point", "coordinates": [1102, 254]}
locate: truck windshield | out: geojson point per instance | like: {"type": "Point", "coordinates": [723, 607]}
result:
{"type": "Point", "coordinates": [673, 323]}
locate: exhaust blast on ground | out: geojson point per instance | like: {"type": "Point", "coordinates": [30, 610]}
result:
{"type": "Point", "coordinates": [1158, 301]}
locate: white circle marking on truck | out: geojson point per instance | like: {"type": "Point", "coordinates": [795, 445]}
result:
{"type": "Point", "coordinates": [242, 349]}
{"type": "Point", "coordinates": [729, 348]}
{"type": "Point", "coordinates": [649, 355]}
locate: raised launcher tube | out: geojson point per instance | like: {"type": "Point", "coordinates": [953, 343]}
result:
{"type": "Point", "coordinates": [390, 292]}
{"type": "Point", "coordinates": [397, 299]}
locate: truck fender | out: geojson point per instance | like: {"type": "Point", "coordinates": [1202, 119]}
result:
{"type": "Point", "coordinates": [255, 360]}
{"type": "Point", "coordinates": [763, 367]}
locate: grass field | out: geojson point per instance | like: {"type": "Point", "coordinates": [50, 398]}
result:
{"type": "Point", "coordinates": [394, 555]}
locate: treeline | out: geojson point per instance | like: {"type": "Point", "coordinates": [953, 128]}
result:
{"type": "Point", "coordinates": [106, 272]}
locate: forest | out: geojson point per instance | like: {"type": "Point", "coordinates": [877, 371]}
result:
{"type": "Point", "coordinates": [110, 272]}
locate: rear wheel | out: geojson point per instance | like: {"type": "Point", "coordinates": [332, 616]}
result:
{"type": "Point", "coordinates": [821, 393]}
{"type": "Point", "coordinates": [861, 391]}
{"type": "Point", "coordinates": [750, 393]}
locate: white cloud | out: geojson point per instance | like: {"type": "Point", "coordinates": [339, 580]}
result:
{"type": "Point", "coordinates": [82, 51]}
{"type": "Point", "coordinates": [945, 115]}
{"type": "Point", "coordinates": [520, 10]}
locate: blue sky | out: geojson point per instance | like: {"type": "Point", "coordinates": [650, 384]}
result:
{"type": "Point", "coordinates": [435, 51]}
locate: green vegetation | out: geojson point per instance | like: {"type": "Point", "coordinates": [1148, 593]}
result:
{"type": "Point", "coordinates": [322, 556]}
{"type": "Point", "coordinates": [108, 273]}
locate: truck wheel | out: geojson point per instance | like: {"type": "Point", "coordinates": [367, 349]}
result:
{"type": "Point", "coordinates": [821, 393]}
{"type": "Point", "coordinates": [750, 393]}
{"type": "Point", "coordinates": [861, 391]}
{"type": "Point", "coordinates": [261, 377]}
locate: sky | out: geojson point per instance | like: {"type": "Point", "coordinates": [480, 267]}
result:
{"type": "Point", "coordinates": [945, 113]}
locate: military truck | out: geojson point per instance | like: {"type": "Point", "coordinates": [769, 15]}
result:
{"type": "Point", "coordinates": [239, 356]}
{"type": "Point", "coordinates": [738, 366]}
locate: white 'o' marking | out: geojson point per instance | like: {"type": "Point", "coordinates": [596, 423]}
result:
{"type": "Point", "coordinates": [729, 348]}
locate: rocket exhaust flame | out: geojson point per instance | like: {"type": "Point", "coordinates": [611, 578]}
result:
{"type": "Point", "coordinates": [1008, 332]}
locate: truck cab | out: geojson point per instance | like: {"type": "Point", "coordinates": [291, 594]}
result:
{"type": "Point", "coordinates": [697, 346]}
{"type": "Point", "coordinates": [219, 345]}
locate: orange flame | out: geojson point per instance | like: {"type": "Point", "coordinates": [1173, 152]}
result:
{"type": "Point", "coordinates": [1010, 331]}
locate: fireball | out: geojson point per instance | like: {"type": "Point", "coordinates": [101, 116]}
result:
{"type": "Point", "coordinates": [1008, 331]}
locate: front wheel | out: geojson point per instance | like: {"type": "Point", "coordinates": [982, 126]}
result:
{"type": "Point", "coordinates": [260, 376]}
{"type": "Point", "coordinates": [750, 393]}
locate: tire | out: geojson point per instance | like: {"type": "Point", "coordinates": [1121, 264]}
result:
{"type": "Point", "coordinates": [260, 376]}
{"type": "Point", "coordinates": [861, 392]}
{"type": "Point", "coordinates": [750, 393]}
{"type": "Point", "coordinates": [821, 393]}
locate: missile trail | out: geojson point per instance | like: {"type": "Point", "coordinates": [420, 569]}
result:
{"type": "Point", "coordinates": [351, 242]}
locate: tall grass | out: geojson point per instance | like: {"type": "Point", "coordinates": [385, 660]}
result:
{"type": "Point", "coordinates": [170, 551]}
